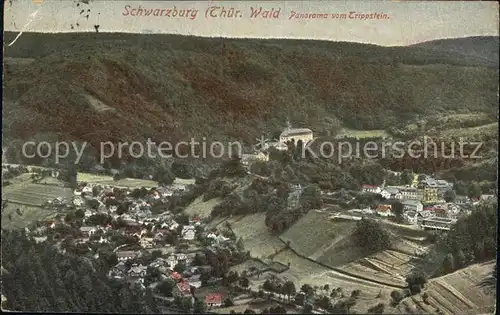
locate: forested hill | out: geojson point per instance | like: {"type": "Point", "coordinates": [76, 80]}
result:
{"type": "Point", "coordinates": [480, 46]}
{"type": "Point", "coordinates": [98, 86]}
{"type": "Point", "coordinates": [38, 278]}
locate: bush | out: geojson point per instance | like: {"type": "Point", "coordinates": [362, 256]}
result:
{"type": "Point", "coordinates": [371, 236]}
{"type": "Point", "coordinates": [396, 296]}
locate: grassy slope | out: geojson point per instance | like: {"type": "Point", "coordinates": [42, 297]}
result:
{"type": "Point", "coordinates": [175, 87]}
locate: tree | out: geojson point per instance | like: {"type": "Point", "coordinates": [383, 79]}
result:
{"type": "Point", "coordinates": [232, 277]}
{"type": "Point", "coordinates": [398, 209]}
{"type": "Point", "coordinates": [323, 302]}
{"type": "Point", "coordinates": [396, 296]}
{"type": "Point", "coordinates": [307, 289]}
{"type": "Point", "coordinates": [180, 267]}
{"type": "Point", "coordinates": [460, 259]}
{"type": "Point", "coordinates": [244, 282]}
{"type": "Point", "coordinates": [200, 306]}
{"type": "Point", "coordinates": [377, 309]}
{"type": "Point", "coordinates": [449, 195]}
{"type": "Point", "coordinates": [474, 190]}
{"type": "Point", "coordinates": [370, 236]}
{"type": "Point", "coordinates": [406, 177]}
{"type": "Point", "coordinates": [289, 289]}
{"type": "Point", "coordinates": [449, 263]}
{"type": "Point", "coordinates": [228, 302]}
{"type": "Point", "coordinates": [355, 293]}
{"type": "Point", "coordinates": [416, 281]}
{"type": "Point", "coordinates": [307, 309]}
{"type": "Point", "coordinates": [166, 287]}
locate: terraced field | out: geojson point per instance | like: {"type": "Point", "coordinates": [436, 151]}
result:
{"type": "Point", "coordinates": [461, 292]}
{"type": "Point", "coordinates": [32, 194]}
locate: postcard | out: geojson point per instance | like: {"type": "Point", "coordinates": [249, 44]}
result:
{"type": "Point", "coordinates": [253, 157]}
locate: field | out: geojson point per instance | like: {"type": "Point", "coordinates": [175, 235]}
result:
{"type": "Point", "coordinates": [108, 180]}
{"type": "Point", "coordinates": [28, 197]}
{"type": "Point", "coordinates": [34, 194]}
{"type": "Point", "coordinates": [202, 208]}
{"type": "Point", "coordinates": [317, 237]}
{"type": "Point", "coordinates": [472, 132]}
{"type": "Point", "coordinates": [12, 220]}
{"type": "Point", "coordinates": [255, 235]}
{"type": "Point", "coordinates": [346, 132]}
{"type": "Point", "coordinates": [461, 292]}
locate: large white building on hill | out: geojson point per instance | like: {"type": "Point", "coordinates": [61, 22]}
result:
{"type": "Point", "coordinates": [296, 134]}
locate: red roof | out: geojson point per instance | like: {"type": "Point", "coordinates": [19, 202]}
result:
{"type": "Point", "coordinates": [184, 287]}
{"type": "Point", "coordinates": [175, 275]}
{"type": "Point", "coordinates": [384, 208]}
{"type": "Point", "coordinates": [369, 186]}
{"type": "Point", "coordinates": [215, 298]}
{"type": "Point", "coordinates": [428, 208]}
{"type": "Point", "coordinates": [195, 219]}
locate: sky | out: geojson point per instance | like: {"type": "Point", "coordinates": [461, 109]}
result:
{"type": "Point", "coordinates": [398, 22]}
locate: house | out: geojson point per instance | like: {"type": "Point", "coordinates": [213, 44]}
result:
{"type": "Point", "coordinates": [394, 191]}
{"type": "Point", "coordinates": [214, 300]}
{"type": "Point", "coordinates": [411, 193]}
{"type": "Point", "coordinates": [196, 220]}
{"type": "Point", "coordinates": [412, 205]}
{"type": "Point", "coordinates": [453, 208]}
{"type": "Point", "coordinates": [146, 242]}
{"type": "Point", "coordinates": [280, 146]}
{"type": "Point", "coordinates": [172, 261]}
{"type": "Point", "coordinates": [296, 134]}
{"type": "Point", "coordinates": [221, 238]}
{"type": "Point", "coordinates": [183, 289]}
{"type": "Point", "coordinates": [195, 281]}
{"type": "Point", "coordinates": [118, 271]}
{"type": "Point", "coordinates": [88, 213]}
{"type": "Point", "coordinates": [126, 255]}
{"type": "Point", "coordinates": [87, 190]}
{"type": "Point", "coordinates": [176, 276]}
{"type": "Point", "coordinates": [247, 159]}
{"type": "Point", "coordinates": [410, 217]}
{"type": "Point", "coordinates": [487, 197]}
{"type": "Point", "coordinates": [439, 211]}
{"type": "Point", "coordinates": [430, 194]}
{"type": "Point", "coordinates": [462, 200]}
{"type": "Point", "coordinates": [137, 271]}
{"type": "Point", "coordinates": [188, 232]}
{"type": "Point", "coordinates": [88, 230]}
{"type": "Point", "coordinates": [173, 225]}
{"type": "Point", "coordinates": [439, 184]}
{"type": "Point", "coordinates": [384, 210]}
{"type": "Point", "coordinates": [371, 189]}
{"type": "Point", "coordinates": [78, 201]}
{"type": "Point", "coordinates": [385, 194]}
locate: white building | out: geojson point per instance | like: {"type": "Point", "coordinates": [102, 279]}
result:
{"type": "Point", "coordinates": [371, 189]}
{"type": "Point", "coordinates": [296, 134]}
{"type": "Point", "coordinates": [247, 159]}
{"type": "Point", "coordinates": [410, 217]}
{"type": "Point", "coordinates": [412, 205]}
{"type": "Point", "coordinates": [188, 232]}
{"type": "Point", "coordinates": [385, 194]}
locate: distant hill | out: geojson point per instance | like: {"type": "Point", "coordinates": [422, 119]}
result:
{"type": "Point", "coordinates": [99, 87]}
{"type": "Point", "coordinates": [480, 46]}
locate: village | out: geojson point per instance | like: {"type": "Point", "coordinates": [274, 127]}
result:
{"type": "Point", "coordinates": [427, 203]}
{"type": "Point", "coordinates": [191, 263]}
